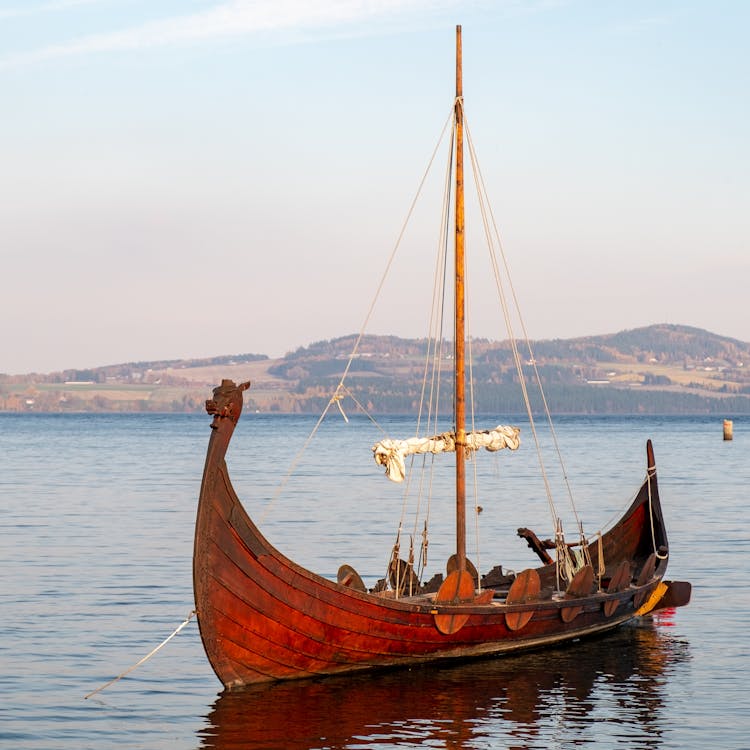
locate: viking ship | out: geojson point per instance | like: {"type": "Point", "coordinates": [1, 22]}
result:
{"type": "Point", "coordinates": [263, 617]}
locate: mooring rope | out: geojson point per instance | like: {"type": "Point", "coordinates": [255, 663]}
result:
{"type": "Point", "coordinates": [144, 659]}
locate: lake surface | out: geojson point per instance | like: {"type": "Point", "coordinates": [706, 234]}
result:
{"type": "Point", "coordinates": [97, 514]}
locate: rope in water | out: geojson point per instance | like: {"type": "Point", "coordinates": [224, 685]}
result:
{"type": "Point", "coordinates": [144, 659]}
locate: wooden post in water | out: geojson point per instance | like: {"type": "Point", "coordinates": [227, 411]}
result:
{"type": "Point", "coordinates": [727, 429]}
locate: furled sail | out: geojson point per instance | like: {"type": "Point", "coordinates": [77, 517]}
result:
{"type": "Point", "coordinates": [392, 453]}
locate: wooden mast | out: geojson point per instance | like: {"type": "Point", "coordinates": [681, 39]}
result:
{"type": "Point", "coordinates": [459, 585]}
{"type": "Point", "coordinates": [459, 334]}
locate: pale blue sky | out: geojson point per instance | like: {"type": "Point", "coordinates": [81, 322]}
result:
{"type": "Point", "coordinates": [203, 177]}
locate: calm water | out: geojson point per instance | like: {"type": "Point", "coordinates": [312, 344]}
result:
{"type": "Point", "coordinates": [96, 517]}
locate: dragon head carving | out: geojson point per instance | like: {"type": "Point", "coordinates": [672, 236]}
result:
{"type": "Point", "coordinates": [227, 402]}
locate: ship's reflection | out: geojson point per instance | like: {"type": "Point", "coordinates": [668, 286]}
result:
{"type": "Point", "coordinates": [608, 690]}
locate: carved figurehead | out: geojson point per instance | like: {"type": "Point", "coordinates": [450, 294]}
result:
{"type": "Point", "coordinates": [227, 402]}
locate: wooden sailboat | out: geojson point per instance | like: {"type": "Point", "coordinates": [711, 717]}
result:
{"type": "Point", "coordinates": [263, 617]}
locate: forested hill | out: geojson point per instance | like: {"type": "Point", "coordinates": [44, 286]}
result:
{"type": "Point", "coordinates": [659, 369]}
{"type": "Point", "coordinates": [664, 343]}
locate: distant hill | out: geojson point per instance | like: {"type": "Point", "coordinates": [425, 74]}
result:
{"type": "Point", "coordinates": [664, 369]}
{"type": "Point", "coordinates": [666, 343]}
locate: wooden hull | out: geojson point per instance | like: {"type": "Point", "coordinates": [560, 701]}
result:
{"type": "Point", "coordinates": [262, 617]}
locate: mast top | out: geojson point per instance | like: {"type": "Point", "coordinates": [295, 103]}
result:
{"type": "Point", "coordinates": [459, 82]}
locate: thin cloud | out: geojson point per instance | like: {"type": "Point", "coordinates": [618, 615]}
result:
{"type": "Point", "coordinates": [229, 19]}
{"type": "Point", "coordinates": [49, 7]}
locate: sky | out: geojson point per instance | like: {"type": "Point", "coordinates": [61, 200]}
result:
{"type": "Point", "coordinates": [205, 177]}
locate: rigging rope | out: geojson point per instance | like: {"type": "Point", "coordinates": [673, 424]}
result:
{"type": "Point", "coordinates": [650, 470]}
{"type": "Point", "coordinates": [491, 230]}
{"type": "Point", "coordinates": [393, 254]}
{"type": "Point", "coordinates": [360, 336]}
{"type": "Point", "coordinates": [431, 382]}
{"type": "Point", "coordinates": [144, 659]}
{"type": "Point", "coordinates": [602, 567]}
{"type": "Point", "coordinates": [472, 412]}
{"type": "Point", "coordinates": [434, 354]}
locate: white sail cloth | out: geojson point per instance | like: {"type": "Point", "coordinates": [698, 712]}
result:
{"type": "Point", "coordinates": [392, 453]}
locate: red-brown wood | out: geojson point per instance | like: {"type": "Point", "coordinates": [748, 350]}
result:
{"type": "Point", "coordinates": [524, 589]}
{"type": "Point", "coordinates": [457, 588]}
{"type": "Point", "coordinates": [262, 617]}
{"type": "Point", "coordinates": [619, 581]}
{"type": "Point", "coordinates": [580, 586]}
{"type": "Point", "coordinates": [459, 316]}
{"type": "Point", "coordinates": [646, 574]}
